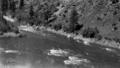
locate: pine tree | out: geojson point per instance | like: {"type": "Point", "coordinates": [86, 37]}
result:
{"type": "Point", "coordinates": [4, 6]}
{"type": "Point", "coordinates": [31, 13]}
{"type": "Point", "coordinates": [73, 20]}
{"type": "Point", "coordinates": [12, 5]}
{"type": "Point", "coordinates": [21, 4]}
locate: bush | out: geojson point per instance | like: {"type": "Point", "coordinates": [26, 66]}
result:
{"type": "Point", "coordinates": [57, 26]}
{"type": "Point", "coordinates": [90, 32]}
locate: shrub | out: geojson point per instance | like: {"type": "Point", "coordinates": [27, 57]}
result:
{"type": "Point", "coordinates": [57, 26]}
{"type": "Point", "coordinates": [90, 32]}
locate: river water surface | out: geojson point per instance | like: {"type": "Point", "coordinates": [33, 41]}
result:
{"type": "Point", "coordinates": [49, 50]}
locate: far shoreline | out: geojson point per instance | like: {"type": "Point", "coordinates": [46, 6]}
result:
{"type": "Point", "coordinates": [11, 34]}
{"type": "Point", "coordinates": [86, 41]}
{"type": "Point", "coordinates": [77, 38]}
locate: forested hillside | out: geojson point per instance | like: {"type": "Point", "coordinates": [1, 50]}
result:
{"type": "Point", "coordinates": [5, 9]}
{"type": "Point", "coordinates": [91, 18]}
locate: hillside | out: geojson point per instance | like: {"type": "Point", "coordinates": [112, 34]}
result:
{"type": "Point", "coordinates": [5, 25]}
{"type": "Point", "coordinates": [91, 18]}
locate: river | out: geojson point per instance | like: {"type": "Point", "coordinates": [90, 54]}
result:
{"type": "Point", "coordinates": [49, 50]}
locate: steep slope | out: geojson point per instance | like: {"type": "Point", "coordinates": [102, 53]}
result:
{"type": "Point", "coordinates": [92, 18]}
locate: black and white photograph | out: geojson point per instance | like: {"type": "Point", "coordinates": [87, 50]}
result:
{"type": "Point", "coordinates": [59, 33]}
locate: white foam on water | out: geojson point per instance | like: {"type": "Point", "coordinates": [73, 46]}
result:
{"type": "Point", "coordinates": [58, 52]}
{"type": "Point", "coordinates": [108, 49]}
{"type": "Point", "coordinates": [2, 50]}
{"type": "Point", "coordinates": [86, 42]}
{"type": "Point", "coordinates": [68, 36]}
{"type": "Point", "coordinates": [11, 51]}
{"type": "Point", "coordinates": [73, 60]}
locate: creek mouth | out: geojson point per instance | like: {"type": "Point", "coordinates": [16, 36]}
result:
{"type": "Point", "coordinates": [49, 50]}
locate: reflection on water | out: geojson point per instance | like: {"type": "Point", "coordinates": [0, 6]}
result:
{"type": "Point", "coordinates": [58, 52]}
{"type": "Point", "coordinates": [76, 61]}
{"type": "Point", "coordinates": [38, 51]}
{"type": "Point", "coordinates": [16, 66]}
{"type": "Point", "coordinates": [11, 61]}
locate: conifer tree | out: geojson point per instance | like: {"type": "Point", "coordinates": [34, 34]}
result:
{"type": "Point", "coordinates": [21, 4]}
{"type": "Point", "coordinates": [73, 20]}
{"type": "Point", "coordinates": [12, 5]}
{"type": "Point", "coordinates": [31, 11]}
{"type": "Point", "coordinates": [4, 6]}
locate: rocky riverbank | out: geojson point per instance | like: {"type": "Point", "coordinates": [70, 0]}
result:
{"type": "Point", "coordinates": [78, 38]}
{"type": "Point", "coordinates": [86, 41]}
{"type": "Point", "coordinates": [11, 34]}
